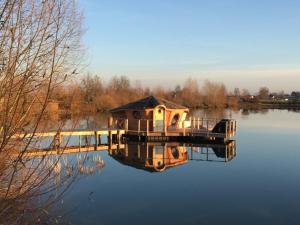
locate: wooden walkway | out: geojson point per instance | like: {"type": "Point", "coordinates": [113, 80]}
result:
{"type": "Point", "coordinates": [111, 133]}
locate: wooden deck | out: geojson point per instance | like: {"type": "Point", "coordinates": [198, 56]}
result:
{"type": "Point", "coordinates": [211, 129]}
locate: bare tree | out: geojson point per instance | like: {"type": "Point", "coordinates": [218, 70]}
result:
{"type": "Point", "coordinates": [215, 94]}
{"type": "Point", "coordinates": [39, 48]}
{"type": "Point", "coordinates": [263, 93]}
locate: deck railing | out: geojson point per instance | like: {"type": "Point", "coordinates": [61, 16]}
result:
{"type": "Point", "coordinates": [192, 125]}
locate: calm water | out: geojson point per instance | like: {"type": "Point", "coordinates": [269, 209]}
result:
{"type": "Point", "coordinates": [259, 184]}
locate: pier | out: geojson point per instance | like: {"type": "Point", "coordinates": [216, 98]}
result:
{"type": "Point", "coordinates": [192, 130]}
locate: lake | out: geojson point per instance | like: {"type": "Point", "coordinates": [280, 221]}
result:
{"type": "Point", "coordinates": [254, 181]}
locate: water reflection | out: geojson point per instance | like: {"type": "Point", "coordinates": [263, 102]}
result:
{"type": "Point", "coordinates": [157, 157]}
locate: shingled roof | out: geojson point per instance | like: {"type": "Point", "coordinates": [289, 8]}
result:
{"type": "Point", "coordinates": [149, 103]}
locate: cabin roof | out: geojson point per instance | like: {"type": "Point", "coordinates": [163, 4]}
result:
{"type": "Point", "coordinates": [149, 103]}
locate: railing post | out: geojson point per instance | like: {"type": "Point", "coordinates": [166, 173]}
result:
{"type": "Point", "coordinates": [207, 127]}
{"type": "Point", "coordinates": [183, 124]}
{"type": "Point", "coordinates": [126, 125]}
{"type": "Point", "coordinates": [139, 126]}
{"type": "Point", "coordinates": [226, 130]}
{"type": "Point", "coordinates": [110, 122]}
{"type": "Point", "coordinates": [198, 123]}
{"type": "Point", "coordinates": [119, 137]}
{"type": "Point", "coordinates": [147, 127]}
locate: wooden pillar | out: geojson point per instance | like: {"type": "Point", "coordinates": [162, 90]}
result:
{"type": "Point", "coordinates": [139, 151]}
{"type": "Point", "coordinates": [126, 125]}
{"type": "Point", "coordinates": [226, 129]}
{"type": "Point", "coordinates": [147, 127]}
{"type": "Point", "coordinates": [194, 122]}
{"type": "Point", "coordinates": [126, 150]}
{"type": "Point", "coordinates": [139, 126]}
{"type": "Point", "coordinates": [79, 142]}
{"type": "Point", "coordinates": [109, 139]}
{"type": "Point", "coordinates": [198, 123]}
{"type": "Point", "coordinates": [119, 137]}
{"type": "Point", "coordinates": [57, 140]}
{"type": "Point", "coordinates": [96, 140]}
{"type": "Point", "coordinates": [99, 139]}
{"type": "Point", "coordinates": [110, 122]}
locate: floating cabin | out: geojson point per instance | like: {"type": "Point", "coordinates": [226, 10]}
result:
{"type": "Point", "coordinates": [157, 119]}
{"type": "Point", "coordinates": [159, 114]}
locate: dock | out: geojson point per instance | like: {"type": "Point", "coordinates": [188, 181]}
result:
{"type": "Point", "coordinates": [192, 130]}
{"type": "Point", "coordinates": [113, 136]}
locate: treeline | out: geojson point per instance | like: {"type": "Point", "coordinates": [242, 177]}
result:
{"type": "Point", "coordinates": [93, 94]}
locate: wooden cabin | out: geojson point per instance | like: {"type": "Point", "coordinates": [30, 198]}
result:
{"type": "Point", "coordinates": [151, 113]}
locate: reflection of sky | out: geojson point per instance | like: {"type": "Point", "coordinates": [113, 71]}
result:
{"type": "Point", "coordinates": [260, 185]}
{"type": "Point", "coordinates": [281, 119]}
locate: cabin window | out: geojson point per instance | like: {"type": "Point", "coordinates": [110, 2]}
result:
{"type": "Point", "coordinates": [136, 115]}
{"type": "Point", "coordinates": [175, 152]}
{"type": "Point", "coordinates": [175, 119]}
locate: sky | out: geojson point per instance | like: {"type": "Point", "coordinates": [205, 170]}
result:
{"type": "Point", "coordinates": [242, 43]}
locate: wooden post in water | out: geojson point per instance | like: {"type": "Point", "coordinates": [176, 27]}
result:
{"type": "Point", "coordinates": [96, 140]}
{"type": "Point", "coordinates": [57, 140]}
{"type": "Point", "coordinates": [109, 139]}
{"type": "Point", "coordinates": [79, 142]}
{"type": "Point", "coordinates": [99, 139]}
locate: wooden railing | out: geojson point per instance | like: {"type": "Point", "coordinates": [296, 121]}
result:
{"type": "Point", "coordinates": [193, 125]}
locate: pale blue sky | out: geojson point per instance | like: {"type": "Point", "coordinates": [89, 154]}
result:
{"type": "Point", "coordinates": [238, 42]}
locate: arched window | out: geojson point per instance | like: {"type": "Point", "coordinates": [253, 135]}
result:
{"type": "Point", "coordinates": [175, 152]}
{"type": "Point", "coordinates": [175, 119]}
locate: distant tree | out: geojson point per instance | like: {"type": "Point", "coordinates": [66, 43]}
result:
{"type": "Point", "coordinates": [119, 83]}
{"type": "Point", "coordinates": [245, 92]}
{"type": "Point", "coordinates": [237, 92]}
{"type": "Point", "coordinates": [215, 94]}
{"type": "Point", "coordinates": [190, 94]}
{"type": "Point", "coordinates": [92, 86]}
{"type": "Point", "coordinates": [263, 93]}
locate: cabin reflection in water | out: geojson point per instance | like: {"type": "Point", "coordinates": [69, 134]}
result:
{"type": "Point", "coordinates": [157, 157]}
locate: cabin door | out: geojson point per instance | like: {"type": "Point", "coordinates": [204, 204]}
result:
{"type": "Point", "coordinates": [159, 119]}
